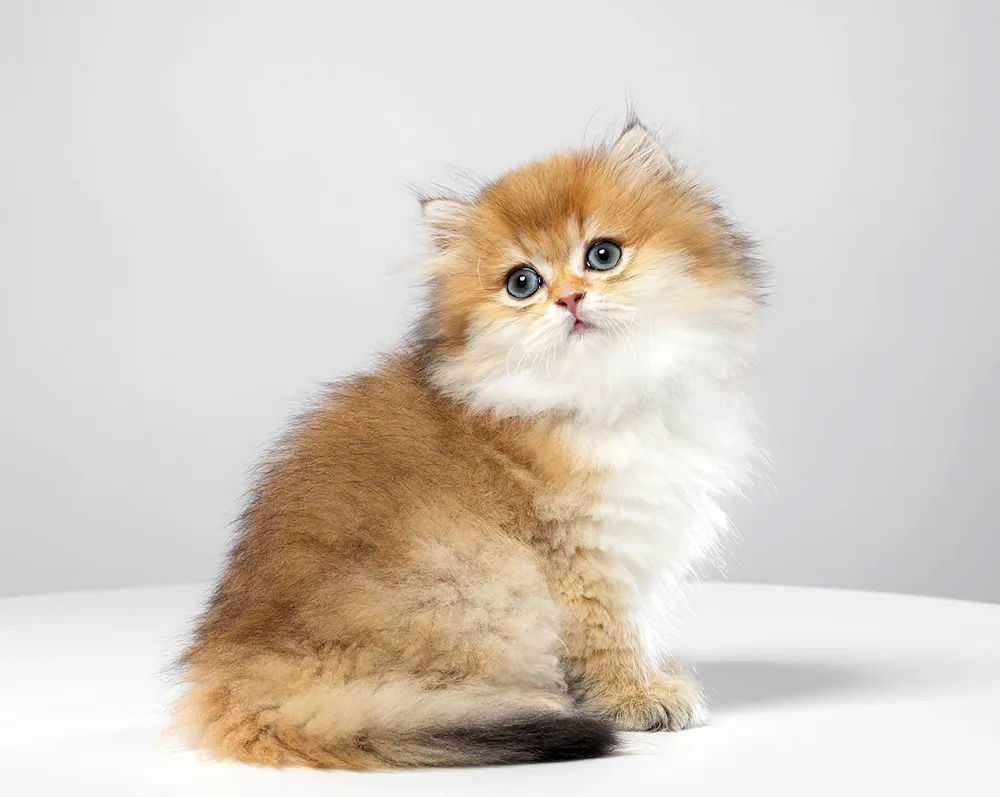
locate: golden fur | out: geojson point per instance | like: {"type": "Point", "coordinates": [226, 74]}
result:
{"type": "Point", "coordinates": [419, 578]}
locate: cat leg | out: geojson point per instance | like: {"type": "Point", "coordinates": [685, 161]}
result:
{"type": "Point", "coordinates": [608, 669]}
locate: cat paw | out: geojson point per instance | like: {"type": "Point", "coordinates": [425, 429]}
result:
{"type": "Point", "coordinates": [669, 703]}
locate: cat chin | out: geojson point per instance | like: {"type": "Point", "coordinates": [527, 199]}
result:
{"type": "Point", "coordinates": [598, 375]}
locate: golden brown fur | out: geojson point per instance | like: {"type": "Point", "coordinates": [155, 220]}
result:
{"type": "Point", "coordinates": [421, 581]}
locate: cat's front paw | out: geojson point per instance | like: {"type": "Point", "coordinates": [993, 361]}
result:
{"type": "Point", "coordinates": [669, 703]}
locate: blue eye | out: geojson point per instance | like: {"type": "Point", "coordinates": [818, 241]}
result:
{"type": "Point", "coordinates": [523, 282]}
{"type": "Point", "coordinates": [603, 255]}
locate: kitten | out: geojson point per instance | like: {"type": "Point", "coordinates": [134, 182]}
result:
{"type": "Point", "coordinates": [462, 558]}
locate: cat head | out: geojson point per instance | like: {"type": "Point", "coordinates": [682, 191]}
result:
{"type": "Point", "coordinates": [585, 282]}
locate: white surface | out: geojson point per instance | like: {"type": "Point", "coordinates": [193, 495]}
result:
{"type": "Point", "coordinates": [204, 212]}
{"type": "Point", "coordinates": [814, 692]}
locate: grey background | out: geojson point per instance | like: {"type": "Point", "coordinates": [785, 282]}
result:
{"type": "Point", "coordinates": [205, 212]}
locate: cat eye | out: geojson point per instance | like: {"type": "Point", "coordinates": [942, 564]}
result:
{"type": "Point", "coordinates": [523, 282]}
{"type": "Point", "coordinates": [603, 255]}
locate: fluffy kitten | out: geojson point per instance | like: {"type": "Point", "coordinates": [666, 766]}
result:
{"type": "Point", "coordinates": [461, 557]}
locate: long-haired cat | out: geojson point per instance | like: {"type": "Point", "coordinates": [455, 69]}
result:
{"type": "Point", "coordinates": [462, 558]}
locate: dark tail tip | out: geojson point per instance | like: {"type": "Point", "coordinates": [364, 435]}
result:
{"type": "Point", "coordinates": [532, 739]}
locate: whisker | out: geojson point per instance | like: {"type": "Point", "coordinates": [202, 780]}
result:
{"type": "Point", "coordinates": [540, 355]}
{"type": "Point", "coordinates": [629, 327]}
{"type": "Point", "coordinates": [527, 340]}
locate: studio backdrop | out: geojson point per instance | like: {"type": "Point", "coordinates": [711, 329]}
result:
{"type": "Point", "coordinates": [206, 211]}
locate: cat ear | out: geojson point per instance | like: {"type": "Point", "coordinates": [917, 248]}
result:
{"type": "Point", "coordinates": [446, 220]}
{"type": "Point", "coordinates": [638, 149]}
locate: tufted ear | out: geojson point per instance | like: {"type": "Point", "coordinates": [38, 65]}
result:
{"type": "Point", "coordinates": [446, 220]}
{"type": "Point", "coordinates": [638, 149]}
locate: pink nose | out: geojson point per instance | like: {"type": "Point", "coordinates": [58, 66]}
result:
{"type": "Point", "coordinates": [571, 302]}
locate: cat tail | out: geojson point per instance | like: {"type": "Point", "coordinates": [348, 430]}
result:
{"type": "Point", "coordinates": [365, 727]}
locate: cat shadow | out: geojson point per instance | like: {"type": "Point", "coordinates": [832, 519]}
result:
{"type": "Point", "coordinates": [743, 684]}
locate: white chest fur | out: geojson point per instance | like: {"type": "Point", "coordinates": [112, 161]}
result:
{"type": "Point", "coordinates": [668, 466]}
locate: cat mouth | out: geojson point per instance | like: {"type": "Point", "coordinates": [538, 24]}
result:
{"type": "Point", "coordinates": [579, 327]}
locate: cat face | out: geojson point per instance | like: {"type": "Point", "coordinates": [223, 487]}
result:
{"type": "Point", "coordinates": [583, 282]}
